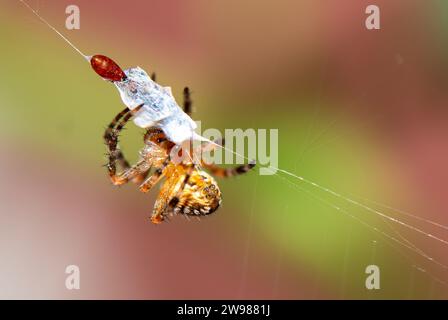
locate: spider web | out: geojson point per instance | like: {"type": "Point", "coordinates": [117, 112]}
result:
{"type": "Point", "coordinates": [392, 237]}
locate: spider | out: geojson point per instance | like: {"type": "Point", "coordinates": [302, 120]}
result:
{"type": "Point", "coordinates": [187, 188]}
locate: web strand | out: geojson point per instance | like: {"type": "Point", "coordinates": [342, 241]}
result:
{"type": "Point", "coordinates": [434, 223]}
{"type": "Point", "coordinates": [55, 30]}
{"type": "Point", "coordinates": [409, 246]}
{"type": "Point", "coordinates": [340, 196]}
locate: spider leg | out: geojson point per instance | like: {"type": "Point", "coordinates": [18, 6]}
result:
{"type": "Point", "coordinates": [141, 177]}
{"type": "Point", "coordinates": [154, 178]}
{"type": "Point", "coordinates": [187, 101]}
{"type": "Point", "coordinates": [225, 172]}
{"type": "Point", "coordinates": [228, 172]}
{"type": "Point", "coordinates": [134, 173]}
{"type": "Point", "coordinates": [115, 155]}
{"type": "Point", "coordinates": [112, 140]}
{"type": "Point", "coordinates": [168, 197]}
{"type": "Point", "coordinates": [174, 198]}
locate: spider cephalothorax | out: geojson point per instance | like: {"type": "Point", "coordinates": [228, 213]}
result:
{"type": "Point", "coordinates": [187, 189]}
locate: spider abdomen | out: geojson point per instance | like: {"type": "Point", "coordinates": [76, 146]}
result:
{"type": "Point", "coordinates": [200, 195]}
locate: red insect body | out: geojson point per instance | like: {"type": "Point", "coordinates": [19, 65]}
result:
{"type": "Point", "coordinates": [107, 68]}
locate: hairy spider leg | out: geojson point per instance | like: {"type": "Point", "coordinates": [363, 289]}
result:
{"type": "Point", "coordinates": [176, 177]}
{"type": "Point", "coordinates": [156, 137]}
{"type": "Point", "coordinates": [154, 178]}
{"type": "Point", "coordinates": [228, 172]}
{"type": "Point", "coordinates": [136, 173]}
{"type": "Point", "coordinates": [188, 103]}
{"type": "Point", "coordinates": [111, 139]}
{"type": "Point", "coordinates": [224, 172]}
{"type": "Point", "coordinates": [174, 198]}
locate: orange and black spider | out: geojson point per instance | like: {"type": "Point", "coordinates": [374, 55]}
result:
{"type": "Point", "coordinates": [187, 188]}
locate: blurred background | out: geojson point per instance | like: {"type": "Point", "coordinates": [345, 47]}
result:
{"type": "Point", "coordinates": [361, 112]}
